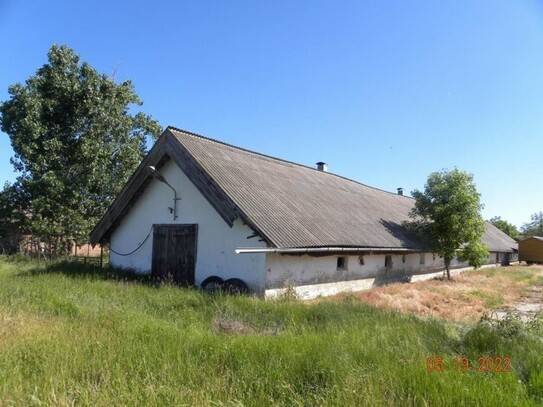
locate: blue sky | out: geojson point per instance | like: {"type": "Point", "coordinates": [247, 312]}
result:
{"type": "Point", "coordinates": [384, 92]}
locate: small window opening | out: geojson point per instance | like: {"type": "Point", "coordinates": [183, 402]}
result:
{"type": "Point", "coordinates": [403, 258]}
{"type": "Point", "coordinates": [422, 259]}
{"type": "Point", "coordinates": [434, 257]}
{"type": "Point", "coordinates": [341, 263]}
{"type": "Point", "coordinates": [388, 261]}
{"type": "Point", "coordinates": [361, 260]}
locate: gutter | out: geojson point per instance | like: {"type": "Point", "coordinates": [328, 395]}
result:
{"type": "Point", "coordinates": [304, 250]}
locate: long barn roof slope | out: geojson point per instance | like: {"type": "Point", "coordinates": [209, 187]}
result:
{"type": "Point", "coordinates": [289, 205]}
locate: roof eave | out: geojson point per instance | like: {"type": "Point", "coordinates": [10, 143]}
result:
{"type": "Point", "coordinates": [331, 250]}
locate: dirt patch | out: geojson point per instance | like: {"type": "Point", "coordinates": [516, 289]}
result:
{"type": "Point", "coordinates": [231, 326]}
{"type": "Point", "coordinates": [467, 297]}
{"type": "Point", "coordinates": [225, 325]}
{"type": "Point", "coordinates": [526, 308]}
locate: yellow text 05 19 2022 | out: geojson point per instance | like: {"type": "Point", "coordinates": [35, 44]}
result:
{"type": "Point", "coordinates": [481, 364]}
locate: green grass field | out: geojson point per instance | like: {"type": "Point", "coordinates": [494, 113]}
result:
{"type": "Point", "coordinates": [69, 336]}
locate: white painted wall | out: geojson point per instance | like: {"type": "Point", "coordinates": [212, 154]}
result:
{"type": "Point", "coordinates": [312, 277]}
{"type": "Point", "coordinates": [307, 292]}
{"type": "Point", "coordinates": [216, 241]}
{"type": "Point", "coordinates": [285, 270]}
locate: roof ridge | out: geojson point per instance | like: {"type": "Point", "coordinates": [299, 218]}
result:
{"type": "Point", "coordinates": [190, 133]}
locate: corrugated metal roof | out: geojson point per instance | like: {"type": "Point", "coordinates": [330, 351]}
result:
{"type": "Point", "coordinates": [299, 206]}
{"type": "Point", "coordinates": [497, 240]}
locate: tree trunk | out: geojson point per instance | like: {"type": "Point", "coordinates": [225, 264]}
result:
{"type": "Point", "coordinates": [447, 267]}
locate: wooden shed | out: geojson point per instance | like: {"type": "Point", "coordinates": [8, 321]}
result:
{"type": "Point", "coordinates": [530, 250]}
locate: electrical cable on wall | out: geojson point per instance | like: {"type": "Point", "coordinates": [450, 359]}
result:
{"type": "Point", "coordinates": [133, 251]}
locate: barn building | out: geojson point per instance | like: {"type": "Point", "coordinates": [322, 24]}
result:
{"type": "Point", "coordinates": [197, 210]}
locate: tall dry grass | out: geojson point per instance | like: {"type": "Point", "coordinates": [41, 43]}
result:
{"type": "Point", "coordinates": [466, 298]}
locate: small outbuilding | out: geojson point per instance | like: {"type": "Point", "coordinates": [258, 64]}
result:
{"type": "Point", "coordinates": [531, 249]}
{"type": "Point", "coordinates": [200, 212]}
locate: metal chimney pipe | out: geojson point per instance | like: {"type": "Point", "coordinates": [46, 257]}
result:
{"type": "Point", "coordinates": [322, 166]}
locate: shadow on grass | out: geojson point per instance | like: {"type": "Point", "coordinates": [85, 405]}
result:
{"type": "Point", "coordinates": [75, 269]}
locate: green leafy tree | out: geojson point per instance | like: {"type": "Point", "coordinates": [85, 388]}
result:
{"type": "Point", "coordinates": [535, 226]}
{"type": "Point", "coordinates": [75, 142]}
{"type": "Point", "coordinates": [13, 217]}
{"type": "Point", "coordinates": [505, 227]}
{"type": "Point", "coordinates": [447, 215]}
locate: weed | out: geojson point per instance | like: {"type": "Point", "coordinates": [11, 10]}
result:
{"type": "Point", "coordinates": [289, 294]}
{"type": "Point", "coordinates": [513, 325]}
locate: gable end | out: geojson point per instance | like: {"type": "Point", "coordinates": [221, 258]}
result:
{"type": "Point", "coordinates": [168, 147]}
{"type": "Point", "coordinates": [129, 194]}
{"type": "Point", "coordinates": [203, 182]}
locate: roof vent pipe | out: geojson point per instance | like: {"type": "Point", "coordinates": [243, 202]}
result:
{"type": "Point", "coordinates": [322, 166]}
{"type": "Point", "coordinates": [400, 191]}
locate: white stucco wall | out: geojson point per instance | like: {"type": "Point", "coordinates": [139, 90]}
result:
{"type": "Point", "coordinates": [311, 277]}
{"type": "Point", "coordinates": [282, 270]}
{"type": "Point", "coordinates": [216, 241]}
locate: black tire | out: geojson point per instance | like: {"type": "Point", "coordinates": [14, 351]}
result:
{"type": "Point", "coordinates": [235, 286]}
{"type": "Point", "coordinates": [212, 283]}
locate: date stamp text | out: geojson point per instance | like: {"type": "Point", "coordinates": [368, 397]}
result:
{"type": "Point", "coordinates": [494, 364]}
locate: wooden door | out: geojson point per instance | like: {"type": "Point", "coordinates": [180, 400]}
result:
{"type": "Point", "coordinates": [174, 253]}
